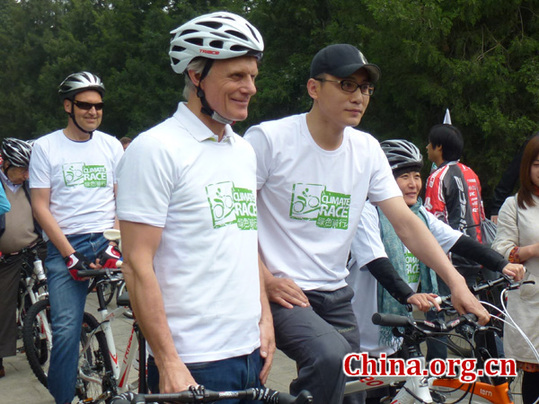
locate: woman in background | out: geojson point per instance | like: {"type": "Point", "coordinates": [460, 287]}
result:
{"type": "Point", "coordinates": [517, 239]}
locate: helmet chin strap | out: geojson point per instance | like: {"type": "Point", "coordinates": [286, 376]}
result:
{"type": "Point", "coordinates": [206, 109]}
{"type": "Point", "coordinates": [72, 115]}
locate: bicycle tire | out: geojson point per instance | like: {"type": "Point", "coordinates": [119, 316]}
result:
{"type": "Point", "coordinates": [36, 345]}
{"type": "Point", "coordinates": [109, 290]}
{"type": "Point", "coordinates": [95, 382]}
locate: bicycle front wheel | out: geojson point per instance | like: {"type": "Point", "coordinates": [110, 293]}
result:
{"type": "Point", "coordinates": [37, 338]}
{"type": "Point", "coordinates": [95, 381]}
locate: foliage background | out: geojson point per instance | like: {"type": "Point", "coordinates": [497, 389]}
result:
{"type": "Point", "coordinates": [479, 58]}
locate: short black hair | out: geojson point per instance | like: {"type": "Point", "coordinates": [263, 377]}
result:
{"type": "Point", "coordinates": [450, 138]}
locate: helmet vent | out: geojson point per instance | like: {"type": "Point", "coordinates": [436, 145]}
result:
{"type": "Point", "coordinates": [195, 41]}
{"type": "Point", "coordinates": [178, 48]}
{"type": "Point", "coordinates": [253, 32]}
{"type": "Point", "coordinates": [239, 48]}
{"type": "Point", "coordinates": [187, 32]}
{"type": "Point", "coordinates": [211, 24]}
{"type": "Point", "coordinates": [237, 34]}
{"type": "Point", "coordinates": [216, 44]}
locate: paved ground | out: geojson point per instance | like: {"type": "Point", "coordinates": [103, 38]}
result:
{"type": "Point", "coordinates": [20, 386]}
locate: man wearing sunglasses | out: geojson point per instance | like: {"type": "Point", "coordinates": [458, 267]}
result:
{"type": "Point", "coordinates": [314, 174]}
{"type": "Point", "coordinates": [72, 181]}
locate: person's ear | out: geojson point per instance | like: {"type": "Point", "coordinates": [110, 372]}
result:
{"type": "Point", "coordinates": [194, 77]}
{"type": "Point", "coordinates": [313, 88]}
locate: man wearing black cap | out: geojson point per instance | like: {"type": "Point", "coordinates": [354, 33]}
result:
{"type": "Point", "coordinates": [314, 174]}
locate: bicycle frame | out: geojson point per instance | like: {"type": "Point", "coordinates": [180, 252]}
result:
{"type": "Point", "coordinates": [33, 287]}
{"type": "Point", "coordinates": [120, 372]}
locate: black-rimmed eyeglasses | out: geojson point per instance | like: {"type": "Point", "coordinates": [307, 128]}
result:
{"type": "Point", "coordinates": [86, 106]}
{"type": "Point", "coordinates": [351, 86]}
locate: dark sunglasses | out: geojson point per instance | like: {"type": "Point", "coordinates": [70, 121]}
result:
{"type": "Point", "coordinates": [88, 105]}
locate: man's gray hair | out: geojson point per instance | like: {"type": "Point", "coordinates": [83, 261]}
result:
{"type": "Point", "coordinates": [197, 65]}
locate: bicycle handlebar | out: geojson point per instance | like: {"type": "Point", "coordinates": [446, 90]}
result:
{"type": "Point", "coordinates": [201, 395]}
{"type": "Point", "coordinates": [425, 327]}
{"type": "Point", "coordinates": [94, 273]}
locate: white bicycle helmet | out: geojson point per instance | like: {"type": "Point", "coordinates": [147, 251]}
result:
{"type": "Point", "coordinates": [402, 154]}
{"type": "Point", "coordinates": [219, 35]}
{"type": "Point", "coordinates": [78, 82]}
{"type": "Point", "coordinates": [16, 151]}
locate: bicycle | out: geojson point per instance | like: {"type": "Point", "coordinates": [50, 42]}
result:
{"type": "Point", "coordinates": [100, 375]}
{"type": "Point", "coordinates": [488, 291]}
{"type": "Point", "coordinates": [200, 395]}
{"type": "Point", "coordinates": [33, 282]}
{"type": "Point", "coordinates": [423, 388]}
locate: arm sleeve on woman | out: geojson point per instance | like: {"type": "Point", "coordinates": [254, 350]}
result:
{"type": "Point", "coordinates": [472, 249]}
{"type": "Point", "coordinates": [387, 276]}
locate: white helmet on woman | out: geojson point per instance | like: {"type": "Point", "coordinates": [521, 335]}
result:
{"type": "Point", "coordinates": [219, 35]}
{"type": "Point", "coordinates": [402, 155]}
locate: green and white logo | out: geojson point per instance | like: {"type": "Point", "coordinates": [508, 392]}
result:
{"type": "Point", "coordinates": [330, 210]}
{"type": "Point", "coordinates": [412, 266]}
{"type": "Point", "coordinates": [81, 174]}
{"type": "Point", "coordinates": [230, 205]}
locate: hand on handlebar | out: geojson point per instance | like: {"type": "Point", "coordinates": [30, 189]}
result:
{"type": "Point", "coordinates": [515, 271]}
{"type": "Point", "coordinates": [175, 376]}
{"type": "Point", "coordinates": [465, 302]}
{"type": "Point", "coordinates": [109, 257]}
{"type": "Point", "coordinates": [424, 301]}
{"type": "Point", "coordinates": [75, 262]}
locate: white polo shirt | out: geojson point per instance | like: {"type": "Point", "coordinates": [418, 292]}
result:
{"type": "Point", "coordinates": [203, 194]}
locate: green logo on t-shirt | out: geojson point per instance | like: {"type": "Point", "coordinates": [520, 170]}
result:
{"type": "Point", "coordinates": [313, 202]}
{"type": "Point", "coordinates": [231, 205]}
{"type": "Point", "coordinates": [81, 174]}
{"type": "Point", "coordinates": [412, 267]}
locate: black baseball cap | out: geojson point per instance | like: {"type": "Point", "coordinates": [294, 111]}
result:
{"type": "Point", "coordinates": [342, 60]}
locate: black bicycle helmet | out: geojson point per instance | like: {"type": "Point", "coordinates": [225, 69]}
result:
{"type": "Point", "coordinates": [401, 155]}
{"type": "Point", "coordinates": [16, 151]}
{"type": "Point", "coordinates": [79, 82]}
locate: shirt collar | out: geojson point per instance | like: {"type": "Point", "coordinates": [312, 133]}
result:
{"type": "Point", "coordinates": [13, 187]}
{"type": "Point", "coordinates": [198, 129]}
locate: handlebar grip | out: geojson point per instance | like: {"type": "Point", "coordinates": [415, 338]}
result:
{"type": "Point", "coordinates": [128, 398]}
{"type": "Point", "coordinates": [304, 397]}
{"type": "Point", "coordinates": [472, 317]}
{"type": "Point", "coordinates": [390, 320]}
{"type": "Point", "coordinates": [90, 273]}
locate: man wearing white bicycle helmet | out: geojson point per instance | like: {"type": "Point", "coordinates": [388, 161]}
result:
{"type": "Point", "coordinates": [188, 219]}
{"type": "Point", "coordinates": [315, 173]}
{"type": "Point", "coordinates": [72, 181]}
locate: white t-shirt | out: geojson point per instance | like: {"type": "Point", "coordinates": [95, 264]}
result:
{"type": "Point", "coordinates": [81, 178]}
{"type": "Point", "coordinates": [366, 247]}
{"type": "Point", "coordinates": [310, 199]}
{"type": "Point", "coordinates": [203, 194]}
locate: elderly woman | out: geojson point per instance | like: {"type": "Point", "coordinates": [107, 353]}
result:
{"type": "Point", "coordinates": [518, 240]}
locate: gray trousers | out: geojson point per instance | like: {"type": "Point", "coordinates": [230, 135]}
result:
{"type": "Point", "coordinates": [317, 338]}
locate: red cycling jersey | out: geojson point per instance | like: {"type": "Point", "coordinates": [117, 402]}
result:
{"type": "Point", "coordinates": [453, 195]}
